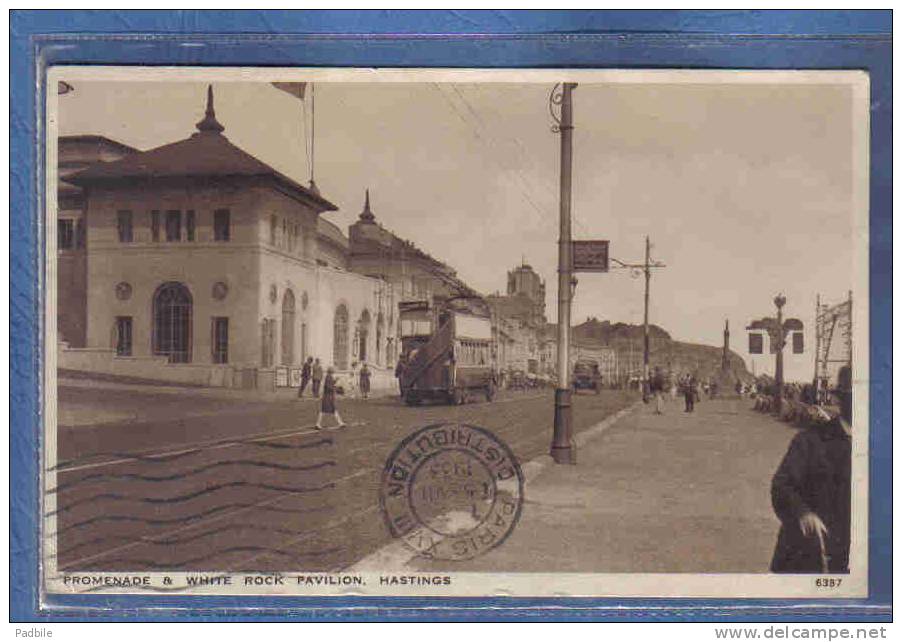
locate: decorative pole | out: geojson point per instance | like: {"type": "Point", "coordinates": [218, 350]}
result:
{"type": "Point", "coordinates": [780, 335]}
{"type": "Point", "coordinates": [645, 380]}
{"type": "Point", "coordinates": [563, 450]}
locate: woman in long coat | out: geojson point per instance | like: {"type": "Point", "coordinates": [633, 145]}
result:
{"type": "Point", "coordinates": [328, 402]}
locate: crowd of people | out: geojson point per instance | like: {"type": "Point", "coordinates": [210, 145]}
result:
{"type": "Point", "coordinates": [687, 386]}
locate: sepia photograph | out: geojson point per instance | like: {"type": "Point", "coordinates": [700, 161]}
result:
{"type": "Point", "coordinates": [456, 332]}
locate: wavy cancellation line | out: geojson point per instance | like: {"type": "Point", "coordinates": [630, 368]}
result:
{"type": "Point", "coordinates": [61, 466]}
{"type": "Point", "coordinates": [186, 519]}
{"type": "Point", "coordinates": [189, 496]}
{"type": "Point", "coordinates": [190, 473]}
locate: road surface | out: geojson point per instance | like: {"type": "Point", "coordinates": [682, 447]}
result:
{"type": "Point", "coordinates": [192, 482]}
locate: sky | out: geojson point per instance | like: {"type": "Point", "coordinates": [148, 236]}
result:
{"type": "Point", "coordinates": [744, 189]}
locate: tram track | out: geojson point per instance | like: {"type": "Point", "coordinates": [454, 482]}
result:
{"type": "Point", "coordinates": [365, 459]}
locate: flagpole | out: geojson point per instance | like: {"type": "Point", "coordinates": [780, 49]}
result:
{"type": "Point", "coordinates": [312, 132]}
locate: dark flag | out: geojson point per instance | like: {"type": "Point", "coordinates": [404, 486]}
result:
{"type": "Point", "coordinates": [296, 89]}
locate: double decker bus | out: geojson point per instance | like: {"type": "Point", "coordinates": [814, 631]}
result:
{"type": "Point", "coordinates": [447, 353]}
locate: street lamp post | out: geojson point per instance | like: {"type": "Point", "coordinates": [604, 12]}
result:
{"type": "Point", "coordinates": [780, 335]}
{"type": "Point", "coordinates": [645, 380]}
{"type": "Point", "coordinates": [645, 267]}
{"type": "Point", "coordinates": [563, 450]}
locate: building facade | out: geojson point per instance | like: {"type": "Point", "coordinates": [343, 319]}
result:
{"type": "Point", "coordinates": [203, 259]}
{"type": "Point", "coordinates": [377, 252]}
{"type": "Point", "coordinates": [410, 273]}
{"type": "Point", "coordinates": [75, 153]}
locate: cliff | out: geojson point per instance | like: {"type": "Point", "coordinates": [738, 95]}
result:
{"type": "Point", "coordinates": [673, 356]}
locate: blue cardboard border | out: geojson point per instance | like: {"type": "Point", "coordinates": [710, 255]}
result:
{"type": "Point", "coordinates": [694, 39]}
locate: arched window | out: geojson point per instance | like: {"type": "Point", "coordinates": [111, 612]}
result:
{"type": "Point", "coordinates": [172, 308]}
{"type": "Point", "coordinates": [363, 335]}
{"type": "Point", "coordinates": [380, 334]}
{"type": "Point", "coordinates": [288, 328]}
{"type": "Point", "coordinates": [340, 338]}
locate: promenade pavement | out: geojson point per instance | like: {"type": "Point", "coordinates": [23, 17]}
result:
{"type": "Point", "coordinates": [676, 492]}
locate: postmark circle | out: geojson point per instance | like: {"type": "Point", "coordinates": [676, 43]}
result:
{"type": "Point", "coordinates": [451, 491]}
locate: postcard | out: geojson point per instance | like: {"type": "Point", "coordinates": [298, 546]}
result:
{"type": "Point", "coordinates": [456, 332]}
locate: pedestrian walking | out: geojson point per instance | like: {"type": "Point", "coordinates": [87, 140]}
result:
{"type": "Point", "coordinates": [657, 389]}
{"type": "Point", "coordinates": [316, 374]}
{"type": "Point", "coordinates": [811, 494]}
{"type": "Point", "coordinates": [306, 371]}
{"type": "Point", "coordinates": [328, 403]}
{"type": "Point", "coordinates": [690, 392]}
{"type": "Point", "coordinates": [364, 381]}
{"type": "Point", "coordinates": [399, 373]}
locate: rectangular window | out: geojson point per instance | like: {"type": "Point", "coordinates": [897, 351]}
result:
{"type": "Point", "coordinates": [220, 342]}
{"type": "Point", "coordinates": [285, 233]}
{"type": "Point", "coordinates": [124, 225]}
{"type": "Point", "coordinates": [798, 343]}
{"type": "Point", "coordinates": [189, 225]}
{"type": "Point", "coordinates": [273, 223]}
{"type": "Point", "coordinates": [756, 344]}
{"type": "Point", "coordinates": [173, 226]}
{"type": "Point", "coordinates": [155, 225]}
{"type": "Point", "coordinates": [65, 234]}
{"type": "Point", "coordinates": [123, 336]}
{"type": "Point", "coordinates": [221, 225]}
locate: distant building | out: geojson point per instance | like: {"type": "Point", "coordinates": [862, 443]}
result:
{"type": "Point", "coordinates": [524, 281]}
{"type": "Point", "coordinates": [205, 264]}
{"type": "Point", "coordinates": [513, 315]}
{"type": "Point", "coordinates": [378, 252]}
{"type": "Point", "coordinates": [523, 309]}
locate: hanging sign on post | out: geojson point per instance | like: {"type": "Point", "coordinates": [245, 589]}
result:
{"type": "Point", "coordinates": [590, 256]}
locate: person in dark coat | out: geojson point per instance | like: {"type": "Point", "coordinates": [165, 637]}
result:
{"type": "Point", "coordinates": [317, 374]}
{"type": "Point", "coordinates": [328, 403]}
{"type": "Point", "coordinates": [306, 371]}
{"type": "Point", "coordinates": [399, 373]}
{"type": "Point", "coordinates": [690, 391]}
{"type": "Point", "coordinates": [657, 389]}
{"type": "Point", "coordinates": [364, 376]}
{"type": "Point", "coordinates": [811, 494]}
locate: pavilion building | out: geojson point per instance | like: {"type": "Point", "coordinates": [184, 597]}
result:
{"type": "Point", "coordinates": [205, 265]}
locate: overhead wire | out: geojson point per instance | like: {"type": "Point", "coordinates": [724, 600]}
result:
{"type": "Point", "coordinates": [481, 135]}
{"type": "Point", "coordinates": [524, 157]}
